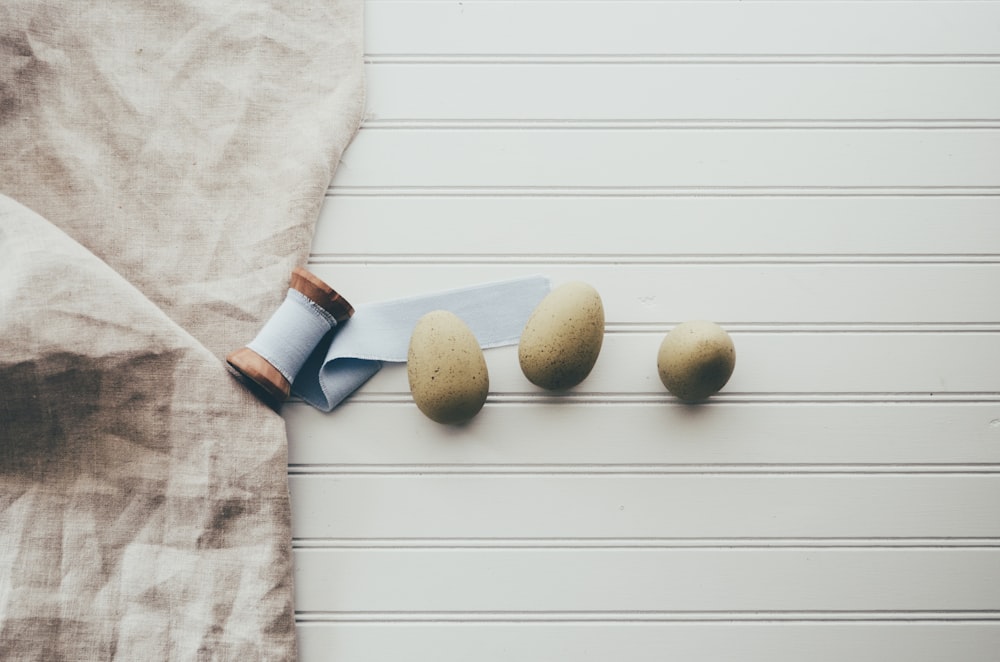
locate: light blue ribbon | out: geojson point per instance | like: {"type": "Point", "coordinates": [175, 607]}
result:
{"type": "Point", "coordinates": [380, 332]}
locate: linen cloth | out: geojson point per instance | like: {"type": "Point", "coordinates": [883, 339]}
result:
{"type": "Point", "coordinates": [162, 164]}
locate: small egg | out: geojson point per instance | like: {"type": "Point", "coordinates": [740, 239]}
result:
{"type": "Point", "coordinates": [696, 360]}
{"type": "Point", "coordinates": [562, 339]}
{"type": "Point", "coordinates": [446, 368]}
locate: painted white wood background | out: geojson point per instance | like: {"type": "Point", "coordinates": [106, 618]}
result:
{"type": "Point", "coordinates": [823, 179]}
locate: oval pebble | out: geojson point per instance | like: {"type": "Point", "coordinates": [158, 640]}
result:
{"type": "Point", "coordinates": [563, 337]}
{"type": "Point", "coordinates": [446, 368]}
{"type": "Point", "coordinates": [696, 359]}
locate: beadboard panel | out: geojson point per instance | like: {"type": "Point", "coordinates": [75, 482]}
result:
{"type": "Point", "coordinates": [508, 228]}
{"type": "Point", "coordinates": [576, 158]}
{"type": "Point", "coordinates": [612, 581]}
{"type": "Point", "coordinates": [819, 177]}
{"type": "Point", "coordinates": [670, 92]}
{"type": "Point", "coordinates": [491, 504]}
{"type": "Point", "coordinates": [544, 432]}
{"type": "Point", "coordinates": [652, 642]}
{"type": "Point", "coordinates": [641, 28]}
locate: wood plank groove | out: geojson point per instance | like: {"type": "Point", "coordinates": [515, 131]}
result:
{"type": "Point", "coordinates": [650, 616]}
{"type": "Point", "coordinates": [643, 543]}
{"type": "Point", "coordinates": [543, 259]}
{"type": "Point", "coordinates": [553, 470]}
{"type": "Point", "coordinates": [722, 125]}
{"type": "Point", "coordinates": [666, 192]}
{"type": "Point", "coordinates": [724, 399]}
{"type": "Point", "coordinates": [656, 59]}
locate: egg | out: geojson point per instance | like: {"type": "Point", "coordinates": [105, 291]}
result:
{"type": "Point", "coordinates": [562, 339]}
{"type": "Point", "coordinates": [446, 368]}
{"type": "Point", "coordinates": [696, 359]}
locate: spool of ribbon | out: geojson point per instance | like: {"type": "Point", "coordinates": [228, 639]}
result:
{"type": "Point", "coordinates": [380, 332]}
{"type": "Point", "coordinates": [296, 351]}
{"type": "Point", "coordinates": [273, 359]}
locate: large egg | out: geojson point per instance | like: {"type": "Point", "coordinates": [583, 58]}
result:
{"type": "Point", "coordinates": [446, 368]}
{"type": "Point", "coordinates": [563, 337]}
{"type": "Point", "coordinates": [696, 360]}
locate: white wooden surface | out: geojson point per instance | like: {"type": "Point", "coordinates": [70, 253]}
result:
{"type": "Point", "coordinates": [823, 178]}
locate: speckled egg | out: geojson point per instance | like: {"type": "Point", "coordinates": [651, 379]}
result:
{"type": "Point", "coordinates": [562, 339]}
{"type": "Point", "coordinates": [446, 368]}
{"type": "Point", "coordinates": [696, 359]}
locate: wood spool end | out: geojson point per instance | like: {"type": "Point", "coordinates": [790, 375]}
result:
{"type": "Point", "coordinates": [256, 368]}
{"type": "Point", "coordinates": [321, 294]}
{"type": "Point", "coordinates": [272, 385]}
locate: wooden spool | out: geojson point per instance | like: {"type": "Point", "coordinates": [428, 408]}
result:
{"type": "Point", "coordinates": [273, 385]}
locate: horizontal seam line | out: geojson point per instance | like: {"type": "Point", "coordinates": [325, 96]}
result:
{"type": "Point", "coordinates": [542, 401]}
{"type": "Point", "coordinates": [646, 260]}
{"type": "Point", "coordinates": [778, 187]}
{"type": "Point", "coordinates": [640, 125]}
{"type": "Point", "coordinates": [629, 616]}
{"type": "Point", "coordinates": [414, 473]}
{"type": "Point", "coordinates": [663, 127]}
{"type": "Point", "coordinates": [304, 543]}
{"type": "Point", "coordinates": [376, 119]}
{"type": "Point", "coordinates": [720, 399]}
{"type": "Point", "coordinates": [815, 329]}
{"type": "Point", "coordinates": [660, 192]}
{"type": "Point", "coordinates": [740, 59]}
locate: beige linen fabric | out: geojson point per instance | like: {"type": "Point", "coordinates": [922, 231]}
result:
{"type": "Point", "coordinates": [162, 165]}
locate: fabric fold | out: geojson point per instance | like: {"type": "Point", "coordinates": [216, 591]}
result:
{"type": "Point", "coordinates": [142, 539]}
{"type": "Point", "coordinates": [169, 160]}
